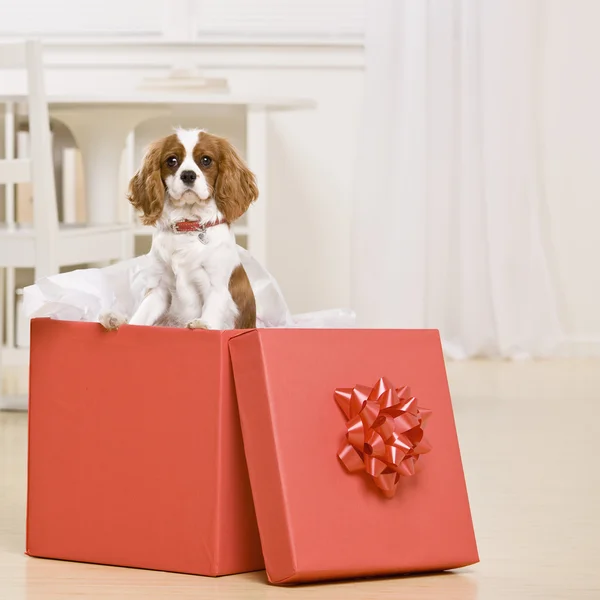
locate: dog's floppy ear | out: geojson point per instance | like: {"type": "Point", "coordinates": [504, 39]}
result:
{"type": "Point", "coordinates": [235, 188]}
{"type": "Point", "coordinates": [146, 188]}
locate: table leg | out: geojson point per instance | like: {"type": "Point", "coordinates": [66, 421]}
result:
{"type": "Point", "coordinates": [256, 156]}
{"type": "Point", "coordinates": [100, 134]}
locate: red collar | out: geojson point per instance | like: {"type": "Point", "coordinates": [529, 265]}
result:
{"type": "Point", "coordinates": [193, 226]}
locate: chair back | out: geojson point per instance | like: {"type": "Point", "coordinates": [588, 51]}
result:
{"type": "Point", "coordinates": [39, 167]}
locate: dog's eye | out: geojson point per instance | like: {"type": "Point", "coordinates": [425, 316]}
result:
{"type": "Point", "coordinates": [206, 161]}
{"type": "Point", "coordinates": [172, 161]}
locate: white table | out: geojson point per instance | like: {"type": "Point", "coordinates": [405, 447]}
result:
{"type": "Point", "coordinates": [101, 123]}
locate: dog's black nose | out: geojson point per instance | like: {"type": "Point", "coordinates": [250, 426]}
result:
{"type": "Point", "coordinates": [188, 177]}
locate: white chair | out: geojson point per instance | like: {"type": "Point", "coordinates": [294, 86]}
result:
{"type": "Point", "coordinates": [47, 245]}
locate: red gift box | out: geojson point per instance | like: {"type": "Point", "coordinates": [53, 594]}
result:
{"type": "Point", "coordinates": [135, 451]}
{"type": "Point", "coordinates": [345, 484]}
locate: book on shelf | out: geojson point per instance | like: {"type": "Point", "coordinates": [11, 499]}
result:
{"type": "Point", "coordinates": [73, 193]}
{"type": "Point", "coordinates": [24, 190]}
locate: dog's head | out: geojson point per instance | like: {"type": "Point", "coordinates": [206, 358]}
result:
{"type": "Point", "coordinates": [191, 166]}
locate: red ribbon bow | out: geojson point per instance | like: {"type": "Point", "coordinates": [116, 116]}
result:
{"type": "Point", "coordinates": [385, 432]}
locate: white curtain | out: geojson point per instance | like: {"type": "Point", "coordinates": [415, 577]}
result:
{"type": "Point", "coordinates": [449, 223]}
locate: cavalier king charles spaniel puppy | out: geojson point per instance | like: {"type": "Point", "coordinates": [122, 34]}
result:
{"type": "Point", "coordinates": [192, 185]}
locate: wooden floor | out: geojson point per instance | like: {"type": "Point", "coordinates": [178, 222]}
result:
{"type": "Point", "coordinates": [530, 436]}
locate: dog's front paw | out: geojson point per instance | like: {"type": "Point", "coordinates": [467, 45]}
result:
{"type": "Point", "coordinates": [197, 324]}
{"type": "Point", "coordinates": [112, 321]}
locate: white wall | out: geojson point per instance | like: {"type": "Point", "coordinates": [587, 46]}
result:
{"type": "Point", "coordinates": [184, 19]}
{"type": "Point", "coordinates": [571, 140]}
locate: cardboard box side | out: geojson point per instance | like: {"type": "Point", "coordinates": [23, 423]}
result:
{"type": "Point", "coordinates": [35, 354]}
{"type": "Point", "coordinates": [238, 540]}
{"type": "Point", "coordinates": [91, 482]}
{"type": "Point", "coordinates": [472, 557]}
{"type": "Point", "coordinates": [45, 336]}
{"type": "Point", "coordinates": [260, 446]}
{"type": "Point", "coordinates": [313, 576]}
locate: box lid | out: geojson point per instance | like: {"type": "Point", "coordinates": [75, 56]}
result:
{"type": "Point", "coordinates": [316, 519]}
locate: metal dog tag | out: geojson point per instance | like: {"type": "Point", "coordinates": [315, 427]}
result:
{"type": "Point", "coordinates": [202, 236]}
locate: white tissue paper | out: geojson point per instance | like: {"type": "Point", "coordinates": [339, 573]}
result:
{"type": "Point", "coordinates": [85, 294]}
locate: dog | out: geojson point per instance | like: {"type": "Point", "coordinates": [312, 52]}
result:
{"type": "Point", "coordinates": [192, 186]}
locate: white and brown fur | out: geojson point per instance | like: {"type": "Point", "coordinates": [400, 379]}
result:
{"type": "Point", "coordinates": [201, 286]}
